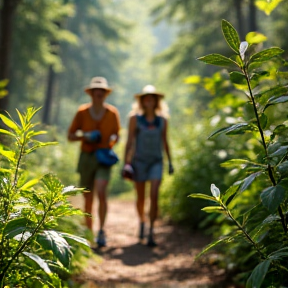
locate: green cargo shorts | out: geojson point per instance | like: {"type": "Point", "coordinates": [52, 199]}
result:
{"type": "Point", "coordinates": [90, 169]}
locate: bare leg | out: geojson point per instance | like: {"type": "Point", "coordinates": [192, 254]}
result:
{"type": "Point", "coordinates": [100, 186]}
{"type": "Point", "coordinates": [154, 191]}
{"type": "Point", "coordinates": [88, 198]}
{"type": "Point", "coordinates": [140, 188]}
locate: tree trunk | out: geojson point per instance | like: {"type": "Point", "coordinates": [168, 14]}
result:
{"type": "Point", "coordinates": [49, 96]}
{"type": "Point", "coordinates": [6, 20]}
{"type": "Point", "coordinates": [240, 19]}
{"type": "Point", "coordinates": [252, 16]}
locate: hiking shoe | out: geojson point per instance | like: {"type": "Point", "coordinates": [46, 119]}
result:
{"type": "Point", "coordinates": [101, 239]}
{"type": "Point", "coordinates": [151, 242]}
{"type": "Point", "coordinates": [141, 230]}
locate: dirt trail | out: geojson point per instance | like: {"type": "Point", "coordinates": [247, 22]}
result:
{"type": "Point", "coordinates": [170, 264]}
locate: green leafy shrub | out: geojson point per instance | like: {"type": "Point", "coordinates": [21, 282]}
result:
{"type": "Point", "coordinates": [254, 208]}
{"type": "Point", "coordinates": [34, 251]}
{"type": "Point", "coordinates": [194, 158]}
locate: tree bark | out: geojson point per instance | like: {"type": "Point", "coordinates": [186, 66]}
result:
{"type": "Point", "coordinates": [6, 22]}
{"type": "Point", "coordinates": [49, 96]}
{"type": "Point", "coordinates": [240, 19]}
{"type": "Point", "coordinates": [252, 16]}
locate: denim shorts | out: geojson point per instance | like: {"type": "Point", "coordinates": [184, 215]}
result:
{"type": "Point", "coordinates": [90, 169]}
{"type": "Point", "coordinates": [145, 171]}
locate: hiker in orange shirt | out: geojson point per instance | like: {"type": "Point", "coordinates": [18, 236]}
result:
{"type": "Point", "coordinates": [96, 125]}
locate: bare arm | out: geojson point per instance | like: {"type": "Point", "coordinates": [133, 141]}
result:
{"type": "Point", "coordinates": [73, 134]}
{"type": "Point", "coordinates": [130, 138]}
{"type": "Point", "coordinates": [73, 137]}
{"type": "Point", "coordinates": [166, 147]}
{"type": "Point", "coordinates": [165, 141]}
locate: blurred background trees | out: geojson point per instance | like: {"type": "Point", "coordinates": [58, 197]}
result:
{"type": "Point", "coordinates": [51, 49]}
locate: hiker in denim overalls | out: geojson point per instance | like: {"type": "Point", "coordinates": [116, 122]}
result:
{"type": "Point", "coordinates": [148, 133]}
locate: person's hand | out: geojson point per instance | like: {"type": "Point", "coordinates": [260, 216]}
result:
{"type": "Point", "coordinates": [127, 171]}
{"type": "Point", "coordinates": [170, 169]}
{"type": "Point", "coordinates": [93, 136]}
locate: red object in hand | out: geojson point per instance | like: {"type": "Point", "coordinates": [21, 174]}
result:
{"type": "Point", "coordinates": [127, 172]}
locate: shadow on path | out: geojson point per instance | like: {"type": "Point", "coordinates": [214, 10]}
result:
{"type": "Point", "coordinates": [170, 264]}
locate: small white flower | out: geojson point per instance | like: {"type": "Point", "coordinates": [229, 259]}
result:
{"type": "Point", "coordinates": [215, 191]}
{"type": "Point", "coordinates": [243, 47]}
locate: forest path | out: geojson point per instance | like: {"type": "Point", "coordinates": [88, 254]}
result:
{"type": "Point", "coordinates": [127, 263]}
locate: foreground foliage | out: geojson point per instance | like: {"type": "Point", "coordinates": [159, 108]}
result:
{"type": "Point", "coordinates": [257, 226]}
{"type": "Point", "coordinates": [33, 251]}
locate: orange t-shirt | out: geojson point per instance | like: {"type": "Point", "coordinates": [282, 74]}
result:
{"type": "Point", "coordinates": [108, 125]}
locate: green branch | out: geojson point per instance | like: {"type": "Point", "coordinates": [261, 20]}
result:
{"type": "Point", "coordinates": [270, 171]}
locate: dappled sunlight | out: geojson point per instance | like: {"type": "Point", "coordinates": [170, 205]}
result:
{"type": "Point", "coordinates": [221, 70]}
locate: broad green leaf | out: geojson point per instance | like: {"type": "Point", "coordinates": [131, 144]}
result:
{"type": "Point", "coordinates": [75, 238]}
{"type": "Point", "coordinates": [213, 244]}
{"type": "Point", "coordinates": [280, 152]}
{"type": "Point", "coordinates": [240, 163]}
{"type": "Point", "coordinates": [29, 184]}
{"type": "Point", "coordinates": [258, 275]}
{"type": "Point", "coordinates": [272, 197]}
{"type": "Point", "coordinates": [276, 91]}
{"type": "Point", "coordinates": [15, 227]}
{"type": "Point", "coordinates": [213, 209]}
{"type": "Point", "coordinates": [283, 168]}
{"type": "Point", "coordinates": [267, 6]}
{"type": "Point", "coordinates": [276, 100]}
{"type": "Point", "coordinates": [248, 181]}
{"type": "Point", "coordinates": [263, 120]}
{"type": "Point", "coordinates": [239, 128]}
{"type": "Point", "coordinates": [37, 144]}
{"type": "Point", "coordinates": [231, 36]}
{"type": "Point", "coordinates": [21, 118]}
{"type": "Point", "coordinates": [66, 210]}
{"type": "Point", "coordinates": [51, 240]}
{"type": "Point", "coordinates": [239, 79]}
{"type": "Point", "coordinates": [63, 272]}
{"type": "Point", "coordinates": [279, 254]}
{"type": "Point", "coordinates": [4, 170]}
{"type": "Point", "coordinates": [3, 131]}
{"type": "Point", "coordinates": [203, 196]}
{"type": "Point", "coordinates": [282, 75]}
{"type": "Point", "coordinates": [33, 134]}
{"type": "Point", "coordinates": [9, 123]}
{"type": "Point", "coordinates": [52, 183]}
{"type": "Point", "coordinates": [255, 38]}
{"type": "Point", "coordinates": [273, 147]}
{"type": "Point", "coordinates": [229, 193]}
{"type": "Point", "coordinates": [72, 190]}
{"type": "Point", "coordinates": [265, 55]}
{"type": "Point", "coordinates": [10, 155]}
{"type": "Point", "coordinates": [193, 79]}
{"type": "Point", "coordinates": [41, 262]}
{"type": "Point", "coordinates": [30, 113]}
{"type": "Point", "coordinates": [281, 130]}
{"type": "Point", "coordinates": [259, 233]}
{"type": "Point", "coordinates": [218, 60]}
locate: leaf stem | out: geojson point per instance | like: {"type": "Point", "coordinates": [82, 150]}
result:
{"type": "Point", "coordinates": [243, 231]}
{"type": "Point", "coordinates": [269, 168]}
{"type": "Point", "coordinates": [18, 165]}
{"type": "Point", "coordinates": [21, 248]}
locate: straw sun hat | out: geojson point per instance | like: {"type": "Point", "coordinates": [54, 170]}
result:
{"type": "Point", "coordinates": [100, 83]}
{"type": "Point", "coordinates": [149, 90]}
